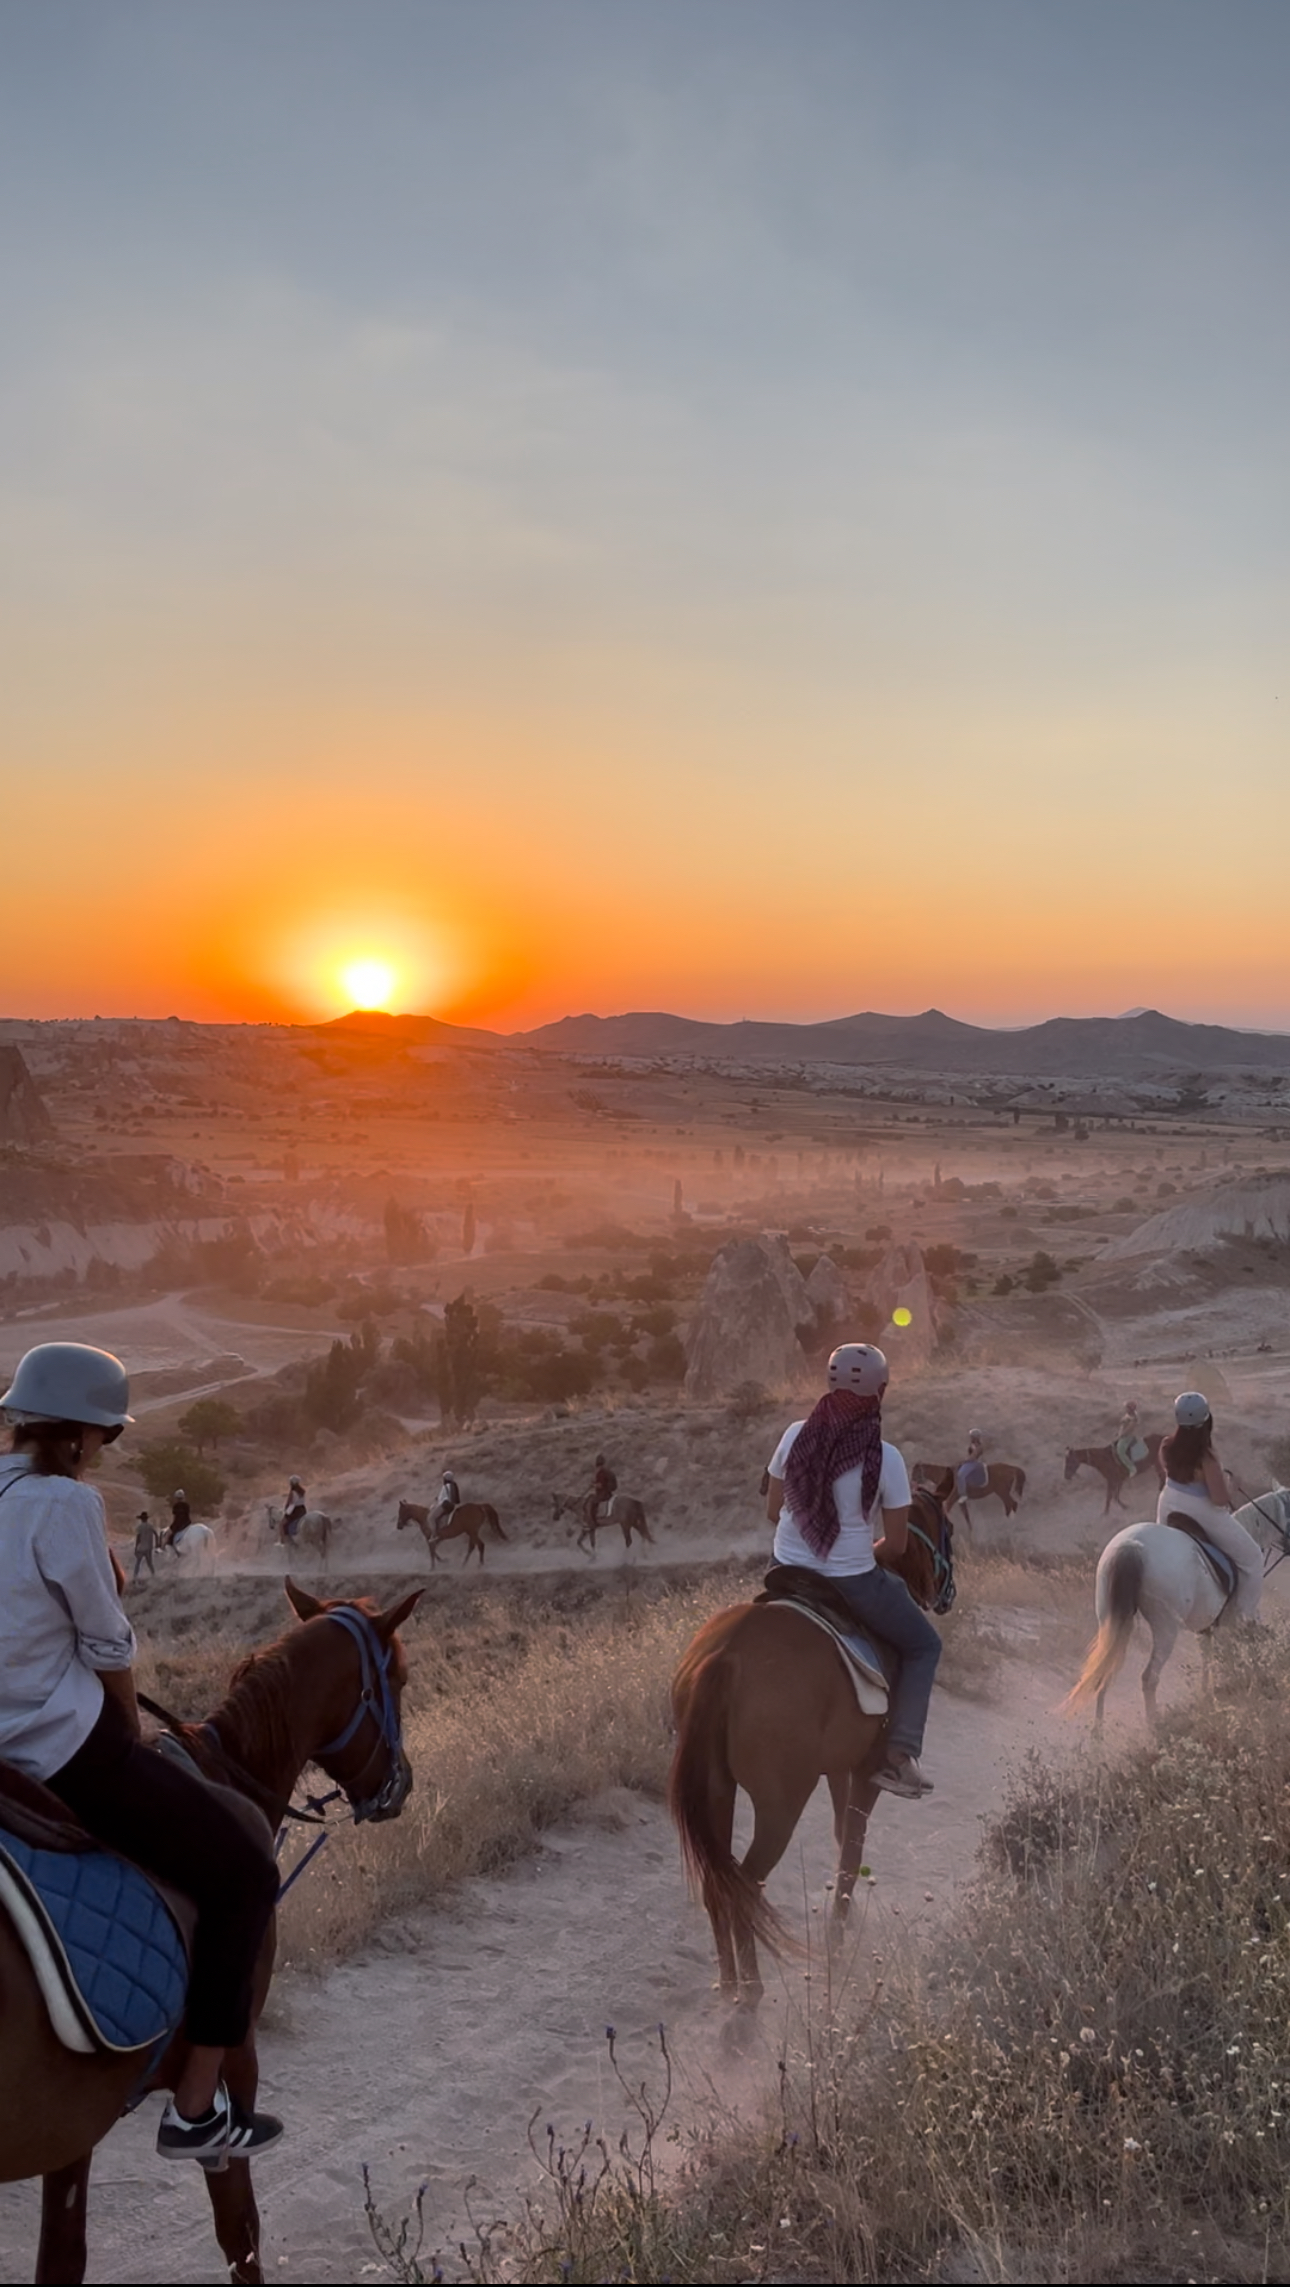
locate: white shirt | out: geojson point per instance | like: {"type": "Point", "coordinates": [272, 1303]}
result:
{"type": "Point", "coordinates": [60, 1616]}
{"type": "Point", "coordinates": [852, 1551]}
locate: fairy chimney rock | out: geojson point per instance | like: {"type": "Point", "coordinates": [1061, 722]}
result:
{"type": "Point", "coordinates": [900, 1285]}
{"type": "Point", "coordinates": [23, 1118]}
{"type": "Point", "coordinates": [745, 1328]}
{"type": "Point", "coordinates": [827, 1290]}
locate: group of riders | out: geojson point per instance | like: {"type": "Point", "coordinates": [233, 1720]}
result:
{"type": "Point", "coordinates": [838, 1495]}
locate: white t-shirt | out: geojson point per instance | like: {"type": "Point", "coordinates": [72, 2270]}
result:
{"type": "Point", "coordinates": [852, 1551]}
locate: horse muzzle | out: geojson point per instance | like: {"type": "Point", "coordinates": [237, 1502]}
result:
{"type": "Point", "coordinates": [392, 1796]}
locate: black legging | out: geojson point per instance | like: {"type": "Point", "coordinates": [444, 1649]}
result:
{"type": "Point", "coordinates": [153, 1811]}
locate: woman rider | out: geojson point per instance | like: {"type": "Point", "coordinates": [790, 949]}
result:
{"type": "Point", "coordinates": [1196, 1483]}
{"type": "Point", "coordinates": [972, 1476]}
{"type": "Point", "coordinates": [68, 1717]}
{"type": "Point", "coordinates": [828, 1476]}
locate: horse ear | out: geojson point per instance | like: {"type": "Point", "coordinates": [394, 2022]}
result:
{"type": "Point", "coordinates": [388, 1623]}
{"type": "Point", "coordinates": [305, 1606]}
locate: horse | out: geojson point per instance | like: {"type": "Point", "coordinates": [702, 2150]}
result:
{"type": "Point", "coordinates": [762, 1700]}
{"type": "Point", "coordinates": [621, 1509]}
{"type": "Point", "coordinates": [317, 1695]}
{"type": "Point", "coordinates": [1110, 1468]}
{"type": "Point", "coordinates": [313, 1531]}
{"type": "Point", "coordinates": [195, 1544]}
{"type": "Point", "coordinates": [1004, 1482]}
{"type": "Point", "coordinates": [1159, 1571]}
{"type": "Point", "coordinates": [469, 1517]}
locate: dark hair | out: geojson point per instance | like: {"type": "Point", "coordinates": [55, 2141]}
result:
{"type": "Point", "coordinates": [54, 1447]}
{"type": "Point", "coordinates": [1185, 1451]}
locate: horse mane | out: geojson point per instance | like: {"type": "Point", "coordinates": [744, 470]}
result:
{"type": "Point", "coordinates": [257, 1710]}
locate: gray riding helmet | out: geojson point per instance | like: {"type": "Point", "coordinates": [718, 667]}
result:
{"type": "Point", "coordinates": [859, 1367]}
{"type": "Point", "coordinates": [70, 1381]}
{"type": "Point", "coordinates": [1191, 1410]}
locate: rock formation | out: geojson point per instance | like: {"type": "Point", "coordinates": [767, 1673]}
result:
{"type": "Point", "coordinates": [23, 1118]}
{"type": "Point", "coordinates": [745, 1328]}
{"type": "Point", "coordinates": [900, 1284]}
{"type": "Point", "coordinates": [828, 1292]}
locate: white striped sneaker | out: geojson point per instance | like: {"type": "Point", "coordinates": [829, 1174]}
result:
{"type": "Point", "coordinates": [226, 2132]}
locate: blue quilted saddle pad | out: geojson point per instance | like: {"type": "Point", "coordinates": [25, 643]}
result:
{"type": "Point", "coordinates": [114, 1938]}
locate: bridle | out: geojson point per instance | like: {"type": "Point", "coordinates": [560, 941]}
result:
{"type": "Point", "coordinates": [1271, 1557]}
{"type": "Point", "coordinates": [376, 1700]}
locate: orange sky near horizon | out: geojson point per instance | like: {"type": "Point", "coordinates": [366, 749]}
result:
{"type": "Point", "coordinates": [751, 512]}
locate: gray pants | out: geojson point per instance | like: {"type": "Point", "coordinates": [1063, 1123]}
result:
{"type": "Point", "coordinates": [882, 1602]}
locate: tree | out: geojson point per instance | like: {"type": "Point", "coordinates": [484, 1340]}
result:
{"type": "Point", "coordinates": [462, 1383]}
{"type": "Point", "coordinates": [468, 1229]}
{"type": "Point", "coordinates": [405, 1235]}
{"type": "Point", "coordinates": [166, 1464]}
{"type": "Point", "coordinates": [332, 1383]}
{"type": "Point", "coordinates": [206, 1422]}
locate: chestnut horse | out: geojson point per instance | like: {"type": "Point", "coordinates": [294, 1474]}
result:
{"type": "Point", "coordinates": [621, 1509]}
{"type": "Point", "coordinates": [469, 1517]}
{"type": "Point", "coordinates": [1004, 1482]}
{"type": "Point", "coordinates": [763, 1701]}
{"type": "Point", "coordinates": [318, 1684]}
{"type": "Point", "coordinates": [1111, 1470]}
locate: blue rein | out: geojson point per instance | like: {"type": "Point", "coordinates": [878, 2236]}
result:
{"type": "Point", "coordinates": [377, 1700]}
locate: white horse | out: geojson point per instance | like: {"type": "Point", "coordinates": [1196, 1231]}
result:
{"type": "Point", "coordinates": [313, 1531]}
{"type": "Point", "coordinates": [195, 1545]}
{"type": "Point", "coordinates": [1158, 1571]}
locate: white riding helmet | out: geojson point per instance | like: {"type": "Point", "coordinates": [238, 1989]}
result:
{"type": "Point", "coordinates": [975, 1437]}
{"type": "Point", "coordinates": [298, 1485]}
{"type": "Point", "coordinates": [70, 1381]}
{"type": "Point", "coordinates": [180, 1495]}
{"type": "Point", "coordinates": [1191, 1410]}
{"type": "Point", "coordinates": [860, 1367]}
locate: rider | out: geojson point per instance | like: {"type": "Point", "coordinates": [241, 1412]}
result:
{"type": "Point", "coordinates": [604, 1484]}
{"type": "Point", "coordinates": [972, 1476]}
{"type": "Point", "coordinates": [181, 1516]}
{"type": "Point", "coordinates": [69, 1717]}
{"type": "Point", "coordinates": [449, 1499]}
{"type": "Point", "coordinates": [1196, 1483]}
{"type": "Point", "coordinates": [829, 1475]}
{"type": "Point", "coordinates": [294, 1509]}
{"type": "Point", "coordinates": [1130, 1445]}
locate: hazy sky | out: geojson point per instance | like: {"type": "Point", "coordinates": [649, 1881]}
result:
{"type": "Point", "coordinates": [751, 509]}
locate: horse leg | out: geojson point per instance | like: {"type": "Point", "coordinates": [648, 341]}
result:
{"type": "Point", "coordinates": [1164, 1635]}
{"type": "Point", "coordinates": [63, 2199]}
{"type": "Point", "coordinates": [232, 2194]}
{"type": "Point", "coordinates": [854, 1797]}
{"type": "Point", "coordinates": [477, 1543]}
{"type": "Point", "coordinates": [774, 1825]}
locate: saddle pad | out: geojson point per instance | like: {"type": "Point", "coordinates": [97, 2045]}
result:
{"type": "Point", "coordinates": [108, 1956]}
{"type": "Point", "coordinates": [1218, 1560]}
{"type": "Point", "coordinates": [862, 1662]}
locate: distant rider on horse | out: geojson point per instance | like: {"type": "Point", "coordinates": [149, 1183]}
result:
{"type": "Point", "coordinates": [972, 1475]}
{"type": "Point", "coordinates": [1130, 1446]}
{"type": "Point", "coordinates": [604, 1485]}
{"type": "Point", "coordinates": [832, 1477]}
{"type": "Point", "coordinates": [449, 1499]}
{"type": "Point", "coordinates": [294, 1511]}
{"type": "Point", "coordinates": [181, 1517]}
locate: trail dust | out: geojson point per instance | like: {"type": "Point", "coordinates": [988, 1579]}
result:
{"type": "Point", "coordinates": [426, 2054]}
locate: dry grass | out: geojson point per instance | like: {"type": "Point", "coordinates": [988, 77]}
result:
{"type": "Point", "coordinates": [1090, 2085]}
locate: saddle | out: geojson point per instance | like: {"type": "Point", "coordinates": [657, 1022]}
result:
{"type": "Point", "coordinates": [1220, 1564]}
{"type": "Point", "coordinates": [108, 1945]}
{"type": "Point", "coordinates": [870, 1664]}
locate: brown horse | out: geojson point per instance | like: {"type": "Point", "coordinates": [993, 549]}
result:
{"type": "Point", "coordinates": [1110, 1468]}
{"type": "Point", "coordinates": [763, 1701]}
{"type": "Point", "coordinates": [621, 1509]}
{"type": "Point", "coordinates": [468, 1518]}
{"type": "Point", "coordinates": [1004, 1482]}
{"type": "Point", "coordinates": [283, 1705]}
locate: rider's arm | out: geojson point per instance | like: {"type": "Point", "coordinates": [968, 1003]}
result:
{"type": "Point", "coordinates": [775, 1499]}
{"type": "Point", "coordinates": [72, 1552]}
{"type": "Point", "coordinates": [895, 1534]}
{"type": "Point", "coordinates": [118, 1683]}
{"type": "Point", "coordinates": [1215, 1481]}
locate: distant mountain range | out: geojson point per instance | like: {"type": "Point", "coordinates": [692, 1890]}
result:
{"type": "Point", "coordinates": [1142, 1043]}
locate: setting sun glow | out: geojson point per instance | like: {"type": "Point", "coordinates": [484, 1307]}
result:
{"type": "Point", "coordinates": [368, 983]}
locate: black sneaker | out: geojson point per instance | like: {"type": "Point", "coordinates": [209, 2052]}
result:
{"type": "Point", "coordinates": [227, 2132]}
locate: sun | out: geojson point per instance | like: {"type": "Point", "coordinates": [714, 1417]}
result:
{"type": "Point", "coordinates": [369, 982]}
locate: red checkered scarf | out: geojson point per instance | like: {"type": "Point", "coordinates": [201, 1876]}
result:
{"type": "Point", "coordinates": [844, 1432]}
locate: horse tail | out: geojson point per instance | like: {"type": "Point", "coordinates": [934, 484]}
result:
{"type": "Point", "coordinates": [699, 1767]}
{"type": "Point", "coordinates": [491, 1518]}
{"type": "Point", "coordinates": [1106, 1653]}
{"type": "Point", "coordinates": [1018, 1483]}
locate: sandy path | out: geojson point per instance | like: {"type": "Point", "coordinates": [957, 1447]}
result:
{"type": "Point", "coordinates": [425, 2055]}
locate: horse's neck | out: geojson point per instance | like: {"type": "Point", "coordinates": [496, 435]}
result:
{"type": "Point", "coordinates": [270, 1724]}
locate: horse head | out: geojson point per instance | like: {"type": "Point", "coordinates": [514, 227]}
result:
{"type": "Point", "coordinates": [1072, 1463]}
{"type": "Point", "coordinates": [366, 1757]}
{"type": "Point", "coordinates": [404, 1517]}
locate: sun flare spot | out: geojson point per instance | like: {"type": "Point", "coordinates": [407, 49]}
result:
{"type": "Point", "coordinates": [369, 983]}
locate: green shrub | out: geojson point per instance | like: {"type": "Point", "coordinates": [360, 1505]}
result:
{"type": "Point", "coordinates": [166, 1463]}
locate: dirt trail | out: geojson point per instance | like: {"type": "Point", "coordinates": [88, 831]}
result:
{"type": "Point", "coordinates": [425, 2055]}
